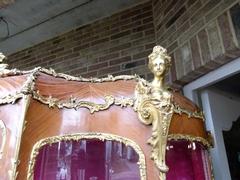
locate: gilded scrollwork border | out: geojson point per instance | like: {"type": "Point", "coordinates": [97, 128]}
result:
{"type": "Point", "coordinates": [109, 78]}
{"type": "Point", "coordinates": [15, 161]}
{"type": "Point", "coordinates": [28, 88]}
{"type": "Point", "coordinates": [77, 103]}
{"type": "Point", "coordinates": [179, 110]}
{"type": "Point", "coordinates": [190, 138]}
{"type": "Point", "coordinates": [52, 72]}
{"type": "Point", "coordinates": [3, 130]}
{"type": "Point", "coordinates": [11, 98]}
{"type": "Point", "coordinates": [92, 135]}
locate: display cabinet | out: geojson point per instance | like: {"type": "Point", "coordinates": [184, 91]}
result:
{"type": "Point", "coordinates": [56, 126]}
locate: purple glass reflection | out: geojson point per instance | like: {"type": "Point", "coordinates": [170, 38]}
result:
{"type": "Point", "coordinates": [187, 161]}
{"type": "Point", "coordinates": [87, 160]}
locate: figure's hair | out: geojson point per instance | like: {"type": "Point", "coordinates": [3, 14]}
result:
{"type": "Point", "coordinates": [162, 52]}
{"type": "Point", "coordinates": [2, 57]}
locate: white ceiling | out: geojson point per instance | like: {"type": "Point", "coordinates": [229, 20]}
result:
{"type": "Point", "coordinates": [33, 21]}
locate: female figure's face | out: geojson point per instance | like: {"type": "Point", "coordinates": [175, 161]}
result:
{"type": "Point", "coordinates": [158, 66]}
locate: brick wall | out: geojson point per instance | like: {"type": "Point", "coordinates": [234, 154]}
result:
{"type": "Point", "coordinates": [200, 35]}
{"type": "Point", "coordinates": [114, 45]}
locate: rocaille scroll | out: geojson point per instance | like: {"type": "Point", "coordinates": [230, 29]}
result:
{"type": "Point", "coordinates": [154, 106]}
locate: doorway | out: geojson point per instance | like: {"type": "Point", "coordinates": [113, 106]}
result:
{"type": "Point", "coordinates": [231, 140]}
{"type": "Point", "coordinates": [218, 94]}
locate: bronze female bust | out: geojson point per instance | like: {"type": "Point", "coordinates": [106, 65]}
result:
{"type": "Point", "coordinates": [159, 64]}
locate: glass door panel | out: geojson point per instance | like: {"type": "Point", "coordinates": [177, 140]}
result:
{"type": "Point", "coordinates": [87, 159]}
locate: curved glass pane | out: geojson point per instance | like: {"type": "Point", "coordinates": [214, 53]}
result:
{"type": "Point", "coordinates": [87, 160]}
{"type": "Point", "coordinates": [187, 161]}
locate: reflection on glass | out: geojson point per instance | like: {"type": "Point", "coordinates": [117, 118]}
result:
{"type": "Point", "coordinates": [87, 160]}
{"type": "Point", "coordinates": [187, 161]}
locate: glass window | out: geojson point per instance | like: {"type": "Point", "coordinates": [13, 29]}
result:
{"type": "Point", "coordinates": [87, 159]}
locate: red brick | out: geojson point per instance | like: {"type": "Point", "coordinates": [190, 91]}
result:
{"type": "Point", "coordinates": [195, 52]}
{"type": "Point", "coordinates": [173, 69]}
{"type": "Point", "coordinates": [130, 14]}
{"type": "Point", "coordinates": [148, 7]}
{"type": "Point", "coordinates": [178, 63]}
{"type": "Point", "coordinates": [58, 40]}
{"type": "Point", "coordinates": [109, 56]}
{"type": "Point", "coordinates": [118, 24]}
{"type": "Point", "coordinates": [49, 57]}
{"type": "Point", "coordinates": [88, 50]}
{"type": "Point", "coordinates": [149, 32]}
{"type": "Point", "coordinates": [109, 70]}
{"type": "Point", "coordinates": [131, 25]}
{"type": "Point", "coordinates": [127, 72]}
{"type": "Point", "coordinates": [120, 47]}
{"type": "Point", "coordinates": [97, 66]}
{"type": "Point", "coordinates": [150, 46]}
{"type": "Point", "coordinates": [121, 34]}
{"type": "Point", "coordinates": [80, 47]}
{"type": "Point", "coordinates": [143, 27]}
{"type": "Point", "coordinates": [63, 53]}
{"type": "Point", "coordinates": [173, 46]}
{"type": "Point", "coordinates": [169, 7]}
{"type": "Point", "coordinates": [99, 41]}
{"type": "Point", "coordinates": [89, 74]}
{"type": "Point", "coordinates": [205, 51]}
{"type": "Point", "coordinates": [147, 20]}
{"type": "Point", "coordinates": [226, 32]}
{"type": "Point", "coordinates": [57, 50]}
{"type": "Point", "coordinates": [136, 35]}
{"type": "Point", "coordinates": [120, 60]}
{"type": "Point", "coordinates": [134, 64]}
{"type": "Point", "coordinates": [143, 54]}
{"type": "Point", "coordinates": [70, 56]}
{"type": "Point", "coordinates": [143, 15]}
{"type": "Point", "coordinates": [78, 71]}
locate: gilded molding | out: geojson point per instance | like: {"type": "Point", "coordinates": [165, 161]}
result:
{"type": "Point", "coordinates": [12, 72]}
{"type": "Point", "coordinates": [109, 78]}
{"type": "Point", "coordinates": [3, 130]}
{"type": "Point", "coordinates": [15, 161]}
{"type": "Point", "coordinates": [189, 138]}
{"type": "Point", "coordinates": [211, 166]}
{"type": "Point", "coordinates": [11, 98]}
{"type": "Point", "coordinates": [179, 110]}
{"type": "Point", "coordinates": [13, 173]}
{"type": "Point", "coordinates": [8, 72]}
{"type": "Point", "coordinates": [124, 102]}
{"type": "Point", "coordinates": [52, 72]}
{"type": "Point", "coordinates": [76, 103]}
{"type": "Point", "coordinates": [27, 88]}
{"type": "Point", "coordinates": [92, 135]}
{"type": "Point", "coordinates": [29, 84]}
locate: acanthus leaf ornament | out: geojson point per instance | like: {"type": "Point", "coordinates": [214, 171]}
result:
{"type": "Point", "coordinates": [155, 107]}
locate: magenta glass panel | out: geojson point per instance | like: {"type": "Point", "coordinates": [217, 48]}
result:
{"type": "Point", "coordinates": [87, 160]}
{"type": "Point", "coordinates": [187, 161]}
